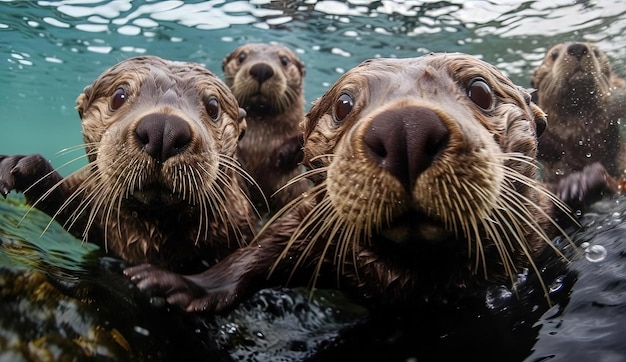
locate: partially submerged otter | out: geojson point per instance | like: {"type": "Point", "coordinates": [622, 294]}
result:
{"type": "Point", "coordinates": [425, 190]}
{"type": "Point", "coordinates": [584, 101]}
{"type": "Point", "coordinates": [267, 80]}
{"type": "Point", "coordinates": [162, 184]}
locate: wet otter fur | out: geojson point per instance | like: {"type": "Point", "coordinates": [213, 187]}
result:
{"type": "Point", "coordinates": [584, 101]}
{"type": "Point", "coordinates": [425, 191]}
{"type": "Point", "coordinates": [162, 184]}
{"type": "Point", "coordinates": [268, 82]}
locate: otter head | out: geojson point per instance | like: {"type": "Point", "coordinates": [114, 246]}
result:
{"type": "Point", "coordinates": [265, 78]}
{"type": "Point", "coordinates": [573, 75]}
{"type": "Point", "coordinates": [160, 135]}
{"type": "Point", "coordinates": [425, 169]}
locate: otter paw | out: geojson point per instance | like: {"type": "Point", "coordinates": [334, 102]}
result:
{"type": "Point", "coordinates": [289, 154]}
{"type": "Point", "coordinates": [174, 287]}
{"type": "Point", "coordinates": [31, 174]}
{"type": "Point", "coordinates": [580, 189]}
{"type": "Point", "coordinates": [180, 290]}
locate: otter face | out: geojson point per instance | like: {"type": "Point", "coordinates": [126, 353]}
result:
{"type": "Point", "coordinates": [425, 158]}
{"type": "Point", "coordinates": [577, 72]}
{"type": "Point", "coordinates": [161, 138]}
{"type": "Point", "coordinates": [146, 121]}
{"type": "Point", "coordinates": [265, 78]}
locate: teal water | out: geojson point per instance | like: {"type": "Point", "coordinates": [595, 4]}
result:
{"type": "Point", "coordinates": [50, 50]}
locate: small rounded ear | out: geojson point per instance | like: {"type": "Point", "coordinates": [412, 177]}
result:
{"type": "Point", "coordinates": [225, 61]}
{"type": "Point", "coordinates": [83, 100]}
{"type": "Point", "coordinates": [243, 124]}
{"type": "Point", "coordinates": [301, 67]}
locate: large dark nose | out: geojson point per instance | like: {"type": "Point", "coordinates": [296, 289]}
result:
{"type": "Point", "coordinates": [577, 50]}
{"type": "Point", "coordinates": [163, 136]}
{"type": "Point", "coordinates": [405, 141]}
{"type": "Point", "coordinates": [261, 72]}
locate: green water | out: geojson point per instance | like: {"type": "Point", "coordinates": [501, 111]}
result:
{"type": "Point", "coordinates": [50, 50]}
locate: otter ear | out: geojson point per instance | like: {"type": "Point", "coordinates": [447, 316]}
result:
{"type": "Point", "coordinates": [243, 124]}
{"type": "Point", "coordinates": [83, 100]}
{"type": "Point", "coordinates": [301, 67]}
{"type": "Point", "coordinates": [225, 61]}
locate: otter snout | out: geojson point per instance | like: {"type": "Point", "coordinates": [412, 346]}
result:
{"type": "Point", "coordinates": [405, 141]}
{"type": "Point", "coordinates": [261, 72]}
{"type": "Point", "coordinates": [577, 50]}
{"type": "Point", "coordinates": [163, 136]}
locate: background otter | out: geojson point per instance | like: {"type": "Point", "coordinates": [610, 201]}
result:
{"type": "Point", "coordinates": [584, 101]}
{"type": "Point", "coordinates": [267, 80]}
{"type": "Point", "coordinates": [162, 184]}
{"type": "Point", "coordinates": [425, 190]}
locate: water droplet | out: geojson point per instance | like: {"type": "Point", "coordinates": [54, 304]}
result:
{"type": "Point", "coordinates": [497, 296]}
{"type": "Point", "coordinates": [556, 284]}
{"type": "Point", "coordinates": [595, 253]}
{"type": "Point", "coordinates": [230, 328]}
{"type": "Point", "coordinates": [559, 172]}
{"type": "Point", "coordinates": [580, 142]}
{"type": "Point", "coordinates": [588, 155]}
{"type": "Point", "coordinates": [259, 334]}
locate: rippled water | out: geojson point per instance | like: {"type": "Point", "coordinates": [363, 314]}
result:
{"type": "Point", "coordinates": [49, 50]}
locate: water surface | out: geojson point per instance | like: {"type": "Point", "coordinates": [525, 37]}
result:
{"type": "Point", "coordinates": [50, 50]}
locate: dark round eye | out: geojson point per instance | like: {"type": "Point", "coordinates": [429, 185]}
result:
{"type": "Point", "coordinates": [480, 93]}
{"type": "Point", "coordinates": [213, 108]}
{"type": "Point", "coordinates": [241, 57]}
{"type": "Point", "coordinates": [343, 106]}
{"type": "Point", "coordinates": [284, 61]}
{"type": "Point", "coordinates": [119, 97]}
{"type": "Point", "coordinates": [540, 125]}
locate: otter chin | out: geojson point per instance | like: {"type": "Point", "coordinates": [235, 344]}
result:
{"type": "Point", "coordinates": [162, 184]}
{"type": "Point", "coordinates": [425, 189]}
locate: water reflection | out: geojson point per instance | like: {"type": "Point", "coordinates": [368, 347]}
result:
{"type": "Point", "coordinates": [49, 50]}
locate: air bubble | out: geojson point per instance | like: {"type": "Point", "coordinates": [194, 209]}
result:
{"type": "Point", "coordinates": [595, 253]}
{"type": "Point", "coordinates": [557, 284]}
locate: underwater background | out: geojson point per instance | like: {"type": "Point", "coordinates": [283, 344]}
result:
{"type": "Point", "coordinates": [50, 50]}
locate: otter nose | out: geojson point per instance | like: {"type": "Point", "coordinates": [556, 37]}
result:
{"type": "Point", "coordinates": [405, 141]}
{"type": "Point", "coordinates": [261, 72]}
{"type": "Point", "coordinates": [577, 50]}
{"type": "Point", "coordinates": [163, 136]}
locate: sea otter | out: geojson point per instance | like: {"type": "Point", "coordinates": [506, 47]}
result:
{"type": "Point", "coordinates": [162, 184]}
{"type": "Point", "coordinates": [584, 101]}
{"type": "Point", "coordinates": [425, 190]}
{"type": "Point", "coordinates": [268, 82]}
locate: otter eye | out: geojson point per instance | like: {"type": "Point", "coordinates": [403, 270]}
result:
{"type": "Point", "coordinates": [284, 60]}
{"type": "Point", "coordinates": [213, 108]}
{"type": "Point", "coordinates": [241, 57]}
{"type": "Point", "coordinates": [480, 93]}
{"type": "Point", "coordinates": [119, 97]}
{"type": "Point", "coordinates": [540, 125]}
{"type": "Point", "coordinates": [343, 106]}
